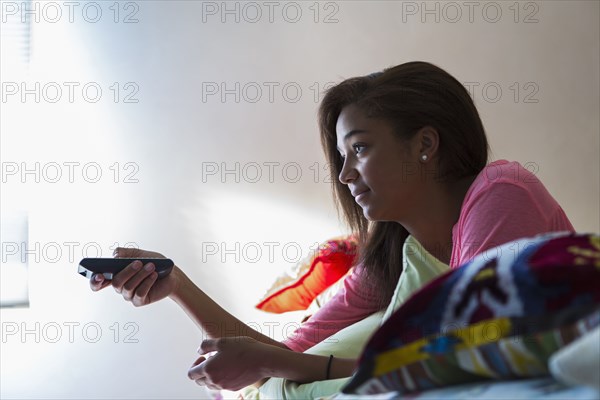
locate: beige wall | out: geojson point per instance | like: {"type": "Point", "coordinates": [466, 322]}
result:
{"type": "Point", "coordinates": [174, 55]}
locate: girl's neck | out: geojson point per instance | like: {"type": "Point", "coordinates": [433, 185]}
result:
{"type": "Point", "coordinates": [438, 215]}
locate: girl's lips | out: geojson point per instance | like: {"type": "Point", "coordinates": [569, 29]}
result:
{"type": "Point", "coordinates": [361, 196]}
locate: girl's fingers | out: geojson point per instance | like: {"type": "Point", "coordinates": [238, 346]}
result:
{"type": "Point", "coordinates": [144, 288]}
{"type": "Point", "coordinates": [98, 282]}
{"type": "Point", "coordinates": [131, 286]}
{"type": "Point", "coordinates": [125, 275]}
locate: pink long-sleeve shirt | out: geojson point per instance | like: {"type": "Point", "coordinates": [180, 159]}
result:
{"type": "Point", "coordinates": [505, 202]}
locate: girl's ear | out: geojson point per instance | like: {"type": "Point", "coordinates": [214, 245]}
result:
{"type": "Point", "coordinates": [428, 142]}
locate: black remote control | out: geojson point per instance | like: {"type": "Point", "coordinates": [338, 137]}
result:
{"type": "Point", "coordinates": [111, 266]}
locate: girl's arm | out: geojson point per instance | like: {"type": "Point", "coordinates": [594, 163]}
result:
{"type": "Point", "coordinates": [140, 285]}
{"type": "Point", "coordinates": [243, 356]}
{"type": "Point", "coordinates": [242, 361]}
{"type": "Point", "coordinates": [209, 316]}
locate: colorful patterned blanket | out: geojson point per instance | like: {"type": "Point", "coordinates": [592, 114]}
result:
{"type": "Point", "coordinates": [501, 316]}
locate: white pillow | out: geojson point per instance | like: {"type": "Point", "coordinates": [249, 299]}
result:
{"type": "Point", "coordinates": [418, 270]}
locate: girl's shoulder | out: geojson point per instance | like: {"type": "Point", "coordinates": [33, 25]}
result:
{"type": "Point", "coordinates": [500, 174]}
{"type": "Point", "coordinates": [503, 171]}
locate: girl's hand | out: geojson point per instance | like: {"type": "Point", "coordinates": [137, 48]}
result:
{"type": "Point", "coordinates": [139, 283]}
{"type": "Point", "coordinates": [238, 362]}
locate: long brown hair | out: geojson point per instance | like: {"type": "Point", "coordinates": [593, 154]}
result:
{"type": "Point", "coordinates": [409, 96]}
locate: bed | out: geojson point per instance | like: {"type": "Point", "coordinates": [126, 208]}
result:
{"type": "Point", "coordinates": [529, 389]}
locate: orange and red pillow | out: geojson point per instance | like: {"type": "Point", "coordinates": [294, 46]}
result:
{"type": "Point", "coordinates": [328, 265]}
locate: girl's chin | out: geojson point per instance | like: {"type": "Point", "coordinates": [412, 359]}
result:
{"type": "Point", "coordinates": [370, 215]}
{"type": "Point", "coordinates": [373, 216]}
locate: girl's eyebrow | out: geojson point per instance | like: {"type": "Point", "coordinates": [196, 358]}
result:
{"type": "Point", "coordinates": [352, 133]}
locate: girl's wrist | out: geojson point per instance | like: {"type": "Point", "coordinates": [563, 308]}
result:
{"type": "Point", "coordinates": [273, 359]}
{"type": "Point", "coordinates": [181, 285]}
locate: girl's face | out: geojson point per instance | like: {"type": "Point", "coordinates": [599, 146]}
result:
{"type": "Point", "coordinates": [382, 172]}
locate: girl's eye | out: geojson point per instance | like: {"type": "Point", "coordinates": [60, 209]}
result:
{"type": "Point", "coordinates": [358, 148]}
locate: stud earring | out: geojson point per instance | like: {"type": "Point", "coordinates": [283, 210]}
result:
{"type": "Point", "coordinates": [424, 157]}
